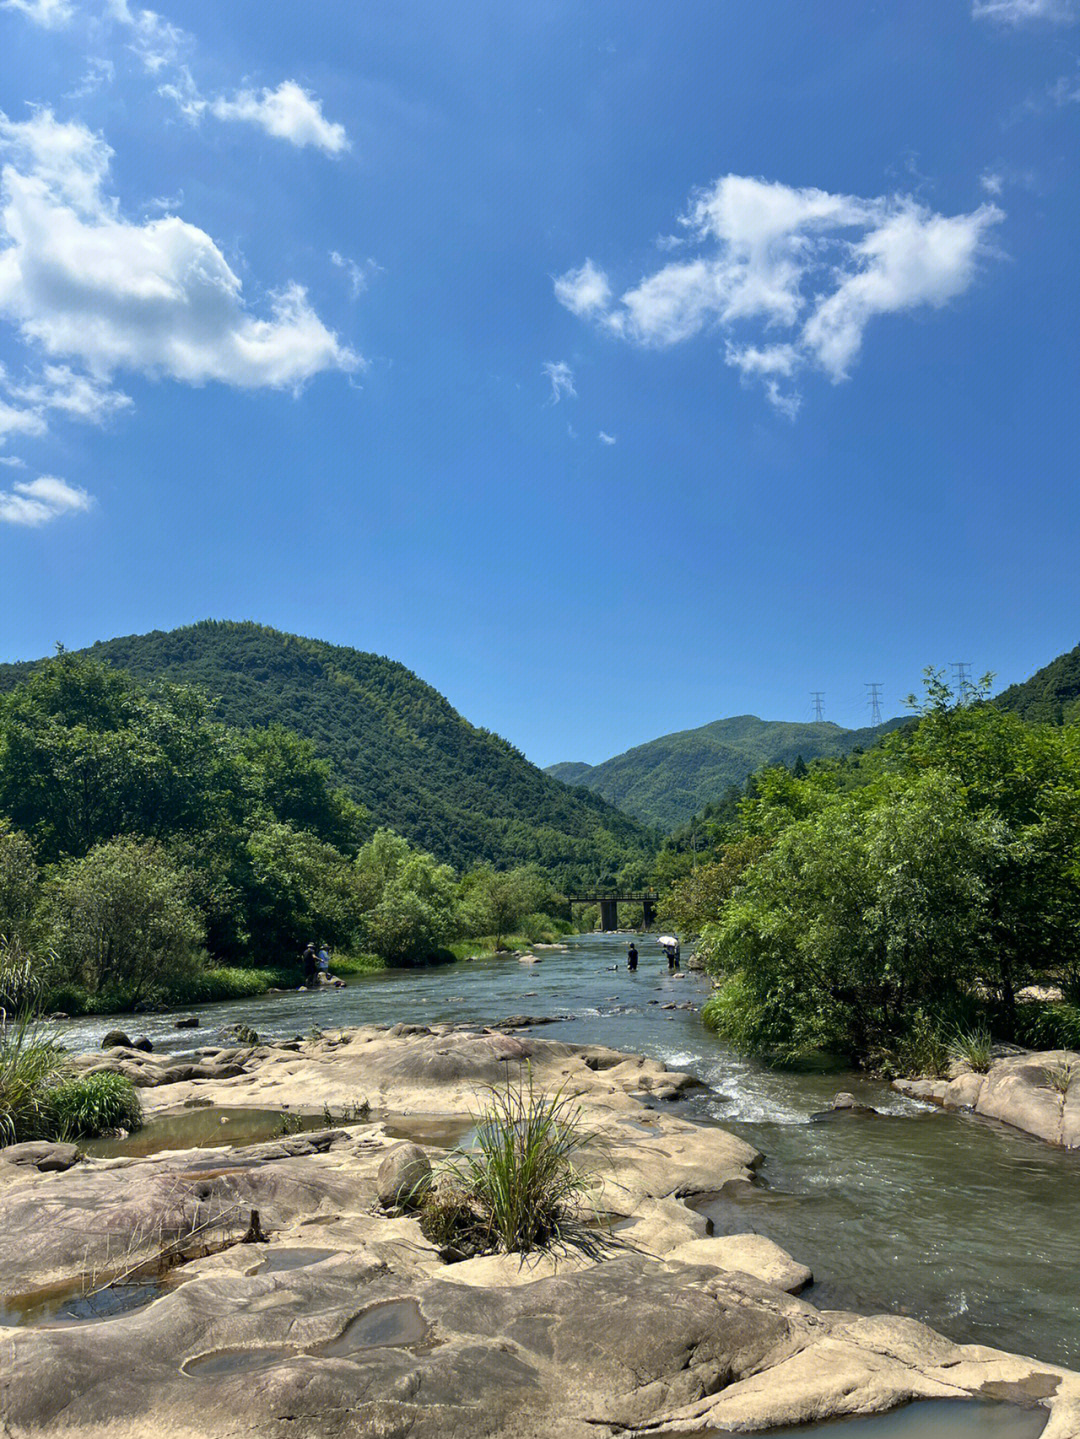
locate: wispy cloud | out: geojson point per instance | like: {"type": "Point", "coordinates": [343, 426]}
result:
{"type": "Point", "coordinates": [49, 14]}
{"type": "Point", "coordinates": [1024, 12]}
{"type": "Point", "coordinates": [606, 439]}
{"type": "Point", "coordinates": [35, 502]}
{"type": "Point", "coordinates": [88, 286]}
{"type": "Point", "coordinates": [790, 277]}
{"type": "Point", "coordinates": [359, 273]}
{"type": "Point", "coordinates": [562, 380]}
{"type": "Point", "coordinates": [156, 42]}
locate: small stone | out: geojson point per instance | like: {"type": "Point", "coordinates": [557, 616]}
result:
{"type": "Point", "coordinates": [190, 1021]}
{"type": "Point", "coordinates": [116, 1039]}
{"type": "Point", "coordinates": [144, 1044]}
{"type": "Point", "coordinates": [403, 1176]}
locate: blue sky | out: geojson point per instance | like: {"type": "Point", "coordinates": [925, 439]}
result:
{"type": "Point", "coordinates": [616, 367]}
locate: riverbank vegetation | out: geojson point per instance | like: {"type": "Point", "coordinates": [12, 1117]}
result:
{"type": "Point", "coordinates": [150, 855]}
{"type": "Point", "coordinates": [876, 906]}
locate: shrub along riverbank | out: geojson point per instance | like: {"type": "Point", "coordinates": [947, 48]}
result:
{"type": "Point", "coordinates": [885, 906]}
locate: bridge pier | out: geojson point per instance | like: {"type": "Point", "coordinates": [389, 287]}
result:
{"type": "Point", "coordinates": [648, 907]}
{"type": "Point", "coordinates": [609, 914]}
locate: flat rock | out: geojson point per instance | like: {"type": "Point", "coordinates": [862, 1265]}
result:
{"type": "Point", "coordinates": [41, 1155]}
{"type": "Point", "coordinates": [749, 1254]}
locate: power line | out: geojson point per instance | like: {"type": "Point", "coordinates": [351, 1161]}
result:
{"type": "Point", "coordinates": [817, 696]}
{"type": "Point", "coordinates": [874, 701]}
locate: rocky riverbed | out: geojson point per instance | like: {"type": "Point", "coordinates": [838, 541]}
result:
{"type": "Point", "coordinates": [348, 1321]}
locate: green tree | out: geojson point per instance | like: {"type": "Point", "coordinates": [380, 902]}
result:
{"type": "Point", "coordinates": [121, 919]}
{"type": "Point", "coordinates": [409, 900]}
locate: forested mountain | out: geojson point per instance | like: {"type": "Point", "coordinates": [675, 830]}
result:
{"type": "Point", "coordinates": [393, 743]}
{"type": "Point", "coordinates": [670, 779]}
{"type": "Point", "coordinates": [1051, 695]}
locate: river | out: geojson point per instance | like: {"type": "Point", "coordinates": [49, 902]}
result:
{"type": "Point", "coordinates": [951, 1218]}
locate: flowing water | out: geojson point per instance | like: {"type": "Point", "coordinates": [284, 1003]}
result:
{"type": "Point", "coordinates": [953, 1219]}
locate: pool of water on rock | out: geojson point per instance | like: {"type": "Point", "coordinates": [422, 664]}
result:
{"type": "Point", "coordinates": [75, 1302]}
{"type": "Point", "coordinates": [953, 1219]}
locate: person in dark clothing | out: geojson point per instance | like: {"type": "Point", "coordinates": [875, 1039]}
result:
{"type": "Point", "coordinates": [670, 950]}
{"type": "Point", "coordinates": [311, 965]}
{"type": "Point", "coordinates": [632, 956]}
{"type": "Point", "coordinates": [675, 961]}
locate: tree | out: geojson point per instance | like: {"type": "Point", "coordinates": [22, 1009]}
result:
{"type": "Point", "coordinates": [18, 886]}
{"type": "Point", "coordinates": [409, 900]}
{"type": "Point", "coordinates": [859, 916]}
{"type": "Point", "coordinates": [121, 919]}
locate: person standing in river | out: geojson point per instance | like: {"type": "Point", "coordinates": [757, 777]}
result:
{"type": "Point", "coordinates": [310, 962]}
{"type": "Point", "coordinates": [632, 956]}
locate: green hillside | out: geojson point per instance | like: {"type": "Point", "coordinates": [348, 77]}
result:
{"type": "Point", "coordinates": [1051, 695]}
{"type": "Point", "coordinates": [672, 778]}
{"type": "Point", "coordinates": [394, 744]}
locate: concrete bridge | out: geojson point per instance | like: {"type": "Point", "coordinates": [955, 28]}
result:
{"type": "Point", "coordinates": [609, 905]}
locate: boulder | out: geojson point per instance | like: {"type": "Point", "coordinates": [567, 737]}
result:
{"type": "Point", "coordinates": [116, 1039]}
{"type": "Point", "coordinates": [403, 1176]}
{"type": "Point", "coordinates": [143, 1043]}
{"type": "Point", "coordinates": [746, 1254]}
{"type": "Point", "coordinates": [45, 1157]}
{"type": "Point", "coordinates": [189, 1021]}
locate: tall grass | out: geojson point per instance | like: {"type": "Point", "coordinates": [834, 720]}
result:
{"type": "Point", "coordinates": [973, 1047]}
{"type": "Point", "coordinates": [519, 1186]}
{"type": "Point", "coordinates": [31, 1066]}
{"type": "Point", "coordinates": [91, 1104]}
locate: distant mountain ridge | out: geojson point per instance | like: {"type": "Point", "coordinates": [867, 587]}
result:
{"type": "Point", "coordinates": [668, 780]}
{"type": "Point", "coordinates": [394, 743]}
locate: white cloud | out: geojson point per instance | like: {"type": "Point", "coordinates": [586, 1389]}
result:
{"type": "Point", "coordinates": [359, 273]}
{"type": "Point", "coordinates": [606, 439]}
{"type": "Point", "coordinates": [81, 396]}
{"type": "Point", "coordinates": [289, 113]}
{"type": "Point", "coordinates": [18, 420]}
{"type": "Point", "coordinates": [583, 291]}
{"type": "Point", "coordinates": [50, 14]}
{"type": "Point", "coordinates": [791, 277]}
{"type": "Point", "coordinates": [13, 462]}
{"type": "Point", "coordinates": [992, 182]}
{"type": "Point", "coordinates": [85, 284]}
{"type": "Point", "coordinates": [1021, 12]}
{"type": "Point", "coordinates": [157, 42]}
{"type": "Point", "coordinates": [36, 502]}
{"type": "Point", "coordinates": [562, 380]}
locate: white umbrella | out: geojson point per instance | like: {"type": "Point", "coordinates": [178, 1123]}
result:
{"type": "Point", "coordinates": [667, 939]}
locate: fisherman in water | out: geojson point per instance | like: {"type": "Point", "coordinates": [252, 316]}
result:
{"type": "Point", "coordinates": [632, 957]}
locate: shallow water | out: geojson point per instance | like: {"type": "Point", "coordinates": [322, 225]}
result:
{"type": "Point", "coordinates": [959, 1221]}
{"type": "Point", "coordinates": [929, 1419]}
{"type": "Point", "coordinates": [71, 1303]}
{"type": "Point", "coordinates": [203, 1128]}
{"type": "Point", "coordinates": [396, 1323]}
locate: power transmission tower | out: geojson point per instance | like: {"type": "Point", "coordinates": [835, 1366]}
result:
{"type": "Point", "coordinates": [817, 696]}
{"type": "Point", "coordinates": [874, 701]}
{"type": "Point", "coordinates": [963, 680]}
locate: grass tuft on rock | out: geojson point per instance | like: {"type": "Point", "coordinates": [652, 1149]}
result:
{"type": "Point", "coordinates": [518, 1189]}
{"type": "Point", "coordinates": [31, 1066]}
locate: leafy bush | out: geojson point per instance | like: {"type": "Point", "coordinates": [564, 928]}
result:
{"type": "Point", "coordinates": [516, 1190]}
{"type": "Point", "coordinates": [92, 1104]}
